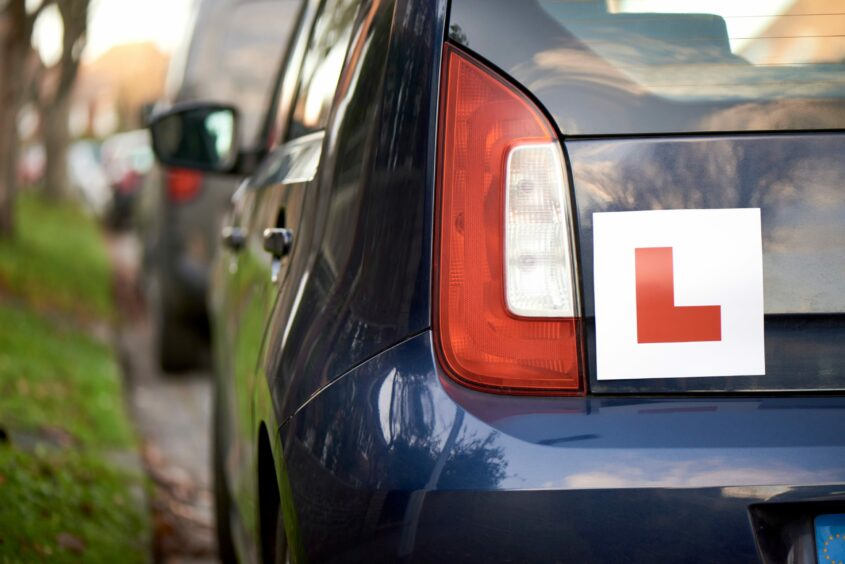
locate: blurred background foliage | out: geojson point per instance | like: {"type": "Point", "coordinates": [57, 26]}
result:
{"type": "Point", "coordinates": [71, 70]}
{"type": "Point", "coordinates": [77, 78]}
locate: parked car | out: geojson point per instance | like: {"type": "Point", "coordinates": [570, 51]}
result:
{"type": "Point", "coordinates": [231, 56]}
{"type": "Point", "coordinates": [534, 281]}
{"type": "Point", "coordinates": [87, 177]}
{"type": "Point", "coordinates": [31, 164]}
{"type": "Point", "coordinates": [126, 158]}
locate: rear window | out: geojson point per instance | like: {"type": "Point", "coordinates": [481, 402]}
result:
{"type": "Point", "coordinates": [643, 66]}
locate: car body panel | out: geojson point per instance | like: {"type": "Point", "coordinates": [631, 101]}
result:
{"type": "Point", "coordinates": [276, 193]}
{"type": "Point", "coordinates": [243, 292]}
{"type": "Point", "coordinates": [328, 289]}
{"type": "Point", "coordinates": [180, 239]}
{"type": "Point", "coordinates": [364, 283]}
{"type": "Point", "coordinates": [392, 458]}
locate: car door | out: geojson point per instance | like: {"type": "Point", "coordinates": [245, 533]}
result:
{"type": "Point", "coordinates": [246, 281]}
{"type": "Point", "coordinates": [269, 226]}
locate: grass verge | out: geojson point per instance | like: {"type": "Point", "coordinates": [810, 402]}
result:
{"type": "Point", "coordinates": [57, 261]}
{"type": "Point", "coordinates": [65, 495]}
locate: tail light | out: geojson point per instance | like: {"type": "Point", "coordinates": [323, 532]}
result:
{"type": "Point", "coordinates": [129, 182]}
{"type": "Point", "coordinates": [506, 313]}
{"type": "Point", "coordinates": [183, 184]}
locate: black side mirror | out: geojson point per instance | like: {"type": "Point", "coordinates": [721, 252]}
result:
{"type": "Point", "coordinates": [198, 136]}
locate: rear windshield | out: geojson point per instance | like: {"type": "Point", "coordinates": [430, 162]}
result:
{"type": "Point", "coordinates": [641, 66]}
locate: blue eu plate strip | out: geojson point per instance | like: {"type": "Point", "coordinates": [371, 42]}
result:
{"type": "Point", "coordinates": [830, 539]}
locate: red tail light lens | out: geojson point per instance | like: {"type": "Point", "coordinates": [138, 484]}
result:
{"type": "Point", "coordinates": [505, 307]}
{"type": "Point", "coordinates": [183, 184]}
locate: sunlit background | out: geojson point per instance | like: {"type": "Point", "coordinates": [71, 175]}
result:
{"type": "Point", "coordinates": [128, 48]}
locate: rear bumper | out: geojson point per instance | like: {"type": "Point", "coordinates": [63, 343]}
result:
{"type": "Point", "coordinates": [186, 244]}
{"type": "Point", "coordinates": [183, 282]}
{"type": "Point", "coordinates": [394, 460]}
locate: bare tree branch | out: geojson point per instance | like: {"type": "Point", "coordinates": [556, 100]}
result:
{"type": "Point", "coordinates": [75, 20]}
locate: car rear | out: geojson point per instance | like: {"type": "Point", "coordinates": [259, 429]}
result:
{"type": "Point", "coordinates": [681, 165]}
{"type": "Point", "coordinates": [664, 218]}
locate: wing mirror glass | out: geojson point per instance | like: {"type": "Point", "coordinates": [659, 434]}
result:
{"type": "Point", "coordinates": [198, 136]}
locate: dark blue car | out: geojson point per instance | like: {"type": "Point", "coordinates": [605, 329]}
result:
{"type": "Point", "coordinates": [534, 281]}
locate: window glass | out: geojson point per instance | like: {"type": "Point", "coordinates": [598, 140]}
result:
{"type": "Point", "coordinates": [322, 65]}
{"type": "Point", "coordinates": [653, 66]}
{"type": "Point", "coordinates": [717, 49]}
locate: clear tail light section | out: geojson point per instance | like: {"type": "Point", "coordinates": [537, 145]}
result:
{"type": "Point", "coordinates": [538, 264]}
{"type": "Point", "coordinates": [506, 313]}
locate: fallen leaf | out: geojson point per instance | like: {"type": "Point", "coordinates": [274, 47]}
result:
{"type": "Point", "coordinates": [57, 436]}
{"type": "Point", "coordinates": [70, 543]}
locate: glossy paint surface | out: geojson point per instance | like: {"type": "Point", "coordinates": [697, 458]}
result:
{"type": "Point", "coordinates": [243, 294]}
{"type": "Point", "coordinates": [392, 459]}
{"type": "Point", "coordinates": [797, 182]}
{"type": "Point", "coordinates": [361, 281]}
{"type": "Point", "coordinates": [357, 279]}
{"type": "Point", "coordinates": [276, 193]}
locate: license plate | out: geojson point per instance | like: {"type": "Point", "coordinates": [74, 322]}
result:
{"type": "Point", "coordinates": [830, 539]}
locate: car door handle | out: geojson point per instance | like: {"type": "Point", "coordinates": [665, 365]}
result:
{"type": "Point", "coordinates": [278, 241]}
{"type": "Point", "coordinates": [233, 237]}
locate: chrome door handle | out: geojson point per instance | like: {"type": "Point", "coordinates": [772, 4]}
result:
{"type": "Point", "coordinates": [233, 237]}
{"type": "Point", "coordinates": [278, 241]}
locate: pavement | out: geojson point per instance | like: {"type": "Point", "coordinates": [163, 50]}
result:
{"type": "Point", "coordinates": [172, 415]}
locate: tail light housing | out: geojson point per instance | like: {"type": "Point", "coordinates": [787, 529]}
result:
{"type": "Point", "coordinates": [506, 308]}
{"type": "Point", "coordinates": [183, 184]}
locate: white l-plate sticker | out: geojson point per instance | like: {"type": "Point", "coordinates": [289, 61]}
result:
{"type": "Point", "coordinates": [678, 293]}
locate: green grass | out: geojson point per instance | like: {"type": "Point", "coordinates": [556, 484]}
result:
{"type": "Point", "coordinates": [56, 260]}
{"type": "Point", "coordinates": [59, 377]}
{"type": "Point", "coordinates": [67, 506]}
{"type": "Point", "coordinates": [63, 495]}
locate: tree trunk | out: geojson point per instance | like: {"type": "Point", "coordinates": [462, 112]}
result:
{"type": "Point", "coordinates": [8, 173]}
{"type": "Point", "coordinates": [14, 49]}
{"type": "Point", "coordinates": [56, 109]}
{"type": "Point", "coordinates": [56, 139]}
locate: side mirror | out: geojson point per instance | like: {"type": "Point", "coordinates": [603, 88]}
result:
{"type": "Point", "coordinates": [197, 136]}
